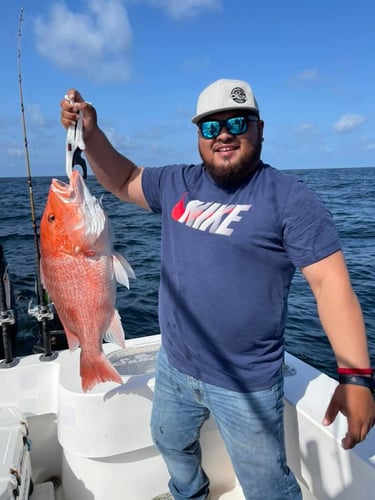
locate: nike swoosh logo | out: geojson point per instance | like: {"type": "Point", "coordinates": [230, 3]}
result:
{"type": "Point", "coordinates": [179, 208]}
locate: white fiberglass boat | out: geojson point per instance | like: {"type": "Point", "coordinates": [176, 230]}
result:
{"type": "Point", "coordinates": [58, 443]}
{"type": "Point", "coordinates": [67, 445]}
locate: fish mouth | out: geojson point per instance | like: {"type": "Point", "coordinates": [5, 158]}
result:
{"type": "Point", "coordinates": [87, 207]}
{"type": "Point", "coordinates": [74, 192]}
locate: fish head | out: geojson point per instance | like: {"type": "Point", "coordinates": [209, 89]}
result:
{"type": "Point", "coordinates": [74, 220]}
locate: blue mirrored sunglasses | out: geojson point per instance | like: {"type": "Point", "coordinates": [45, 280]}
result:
{"type": "Point", "coordinates": [235, 126]}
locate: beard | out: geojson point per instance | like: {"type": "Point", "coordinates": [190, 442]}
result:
{"type": "Point", "coordinates": [235, 174]}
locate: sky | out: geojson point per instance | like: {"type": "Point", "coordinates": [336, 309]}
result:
{"type": "Point", "coordinates": [143, 63]}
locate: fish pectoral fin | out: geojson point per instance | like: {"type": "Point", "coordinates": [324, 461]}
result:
{"type": "Point", "coordinates": [73, 340]}
{"type": "Point", "coordinates": [115, 332]}
{"type": "Point", "coordinates": [122, 268]}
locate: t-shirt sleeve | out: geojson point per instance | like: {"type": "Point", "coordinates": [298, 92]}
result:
{"type": "Point", "coordinates": [309, 231]}
{"type": "Point", "coordinates": [151, 186]}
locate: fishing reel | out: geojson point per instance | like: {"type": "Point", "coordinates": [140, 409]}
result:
{"type": "Point", "coordinates": [40, 312]}
{"type": "Point", "coordinates": [7, 317]}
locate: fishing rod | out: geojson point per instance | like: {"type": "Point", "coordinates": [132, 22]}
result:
{"type": "Point", "coordinates": [42, 311]}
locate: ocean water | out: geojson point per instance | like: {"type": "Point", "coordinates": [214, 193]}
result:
{"type": "Point", "coordinates": [348, 193]}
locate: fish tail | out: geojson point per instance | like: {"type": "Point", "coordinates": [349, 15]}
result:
{"type": "Point", "coordinates": [95, 370]}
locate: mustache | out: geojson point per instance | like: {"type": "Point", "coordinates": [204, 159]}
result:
{"type": "Point", "coordinates": [237, 173]}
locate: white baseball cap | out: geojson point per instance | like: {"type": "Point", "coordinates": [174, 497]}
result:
{"type": "Point", "coordinates": [225, 95]}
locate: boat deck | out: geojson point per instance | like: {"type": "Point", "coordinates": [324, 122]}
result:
{"type": "Point", "coordinates": [82, 438]}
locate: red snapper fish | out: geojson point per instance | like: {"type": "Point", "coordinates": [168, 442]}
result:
{"type": "Point", "coordinates": [79, 270]}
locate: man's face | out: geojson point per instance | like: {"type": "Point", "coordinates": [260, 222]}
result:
{"type": "Point", "coordinates": [230, 159]}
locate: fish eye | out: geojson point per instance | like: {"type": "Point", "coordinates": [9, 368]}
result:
{"type": "Point", "coordinates": [51, 218]}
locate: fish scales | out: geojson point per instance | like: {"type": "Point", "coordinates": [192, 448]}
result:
{"type": "Point", "coordinates": [72, 290]}
{"type": "Point", "coordinates": [79, 269]}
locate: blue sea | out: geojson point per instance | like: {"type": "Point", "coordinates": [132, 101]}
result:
{"type": "Point", "coordinates": [348, 193]}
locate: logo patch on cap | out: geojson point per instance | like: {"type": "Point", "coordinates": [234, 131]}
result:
{"type": "Point", "coordinates": [238, 95]}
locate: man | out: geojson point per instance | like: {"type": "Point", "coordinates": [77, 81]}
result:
{"type": "Point", "coordinates": [233, 232]}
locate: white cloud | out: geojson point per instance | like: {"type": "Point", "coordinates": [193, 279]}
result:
{"type": "Point", "coordinates": [118, 139]}
{"type": "Point", "coordinates": [308, 74]}
{"type": "Point", "coordinates": [15, 152]}
{"type": "Point", "coordinates": [95, 43]}
{"type": "Point", "coordinates": [306, 128]}
{"type": "Point", "coordinates": [122, 142]}
{"type": "Point", "coordinates": [185, 8]}
{"type": "Point", "coordinates": [35, 114]}
{"type": "Point", "coordinates": [348, 122]}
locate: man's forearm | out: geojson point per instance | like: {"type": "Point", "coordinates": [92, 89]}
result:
{"type": "Point", "coordinates": [112, 169]}
{"type": "Point", "coordinates": [342, 320]}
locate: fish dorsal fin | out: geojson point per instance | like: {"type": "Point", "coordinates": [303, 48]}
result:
{"type": "Point", "coordinates": [115, 332]}
{"type": "Point", "coordinates": [122, 268]}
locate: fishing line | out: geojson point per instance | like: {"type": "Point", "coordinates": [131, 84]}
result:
{"type": "Point", "coordinates": [40, 292]}
{"type": "Point", "coordinates": [42, 312]}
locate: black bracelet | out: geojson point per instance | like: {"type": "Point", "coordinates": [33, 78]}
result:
{"type": "Point", "coordinates": [368, 382]}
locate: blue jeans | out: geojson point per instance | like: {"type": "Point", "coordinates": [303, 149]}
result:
{"type": "Point", "coordinates": [251, 425]}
